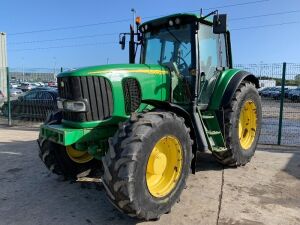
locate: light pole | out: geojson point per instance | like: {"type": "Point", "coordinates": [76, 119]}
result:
{"type": "Point", "coordinates": [133, 18]}
{"type": "Point", "coordinates": [54, 69]}
{"type": "Point", "coordinates": [23, 74]}
{"type": "Point", "coordinates": [260, 69]}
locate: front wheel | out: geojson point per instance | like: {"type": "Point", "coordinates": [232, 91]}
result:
{"type": "Point", "coordinates": [242, 118]}
{"type": "Point", "coordinates": [146, 167]}
{"type": "Point", "coordinates": [65, 160]}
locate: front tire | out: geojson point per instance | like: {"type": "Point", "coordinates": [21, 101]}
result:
{"type": "Point", "coordinates": [242, 118]}
{"type": "Point", "coordinates": [146, 167]}
{"type": "Point", "coordinates": [57, 159]}
{"type": "Point", "coordinates": [65, 160]}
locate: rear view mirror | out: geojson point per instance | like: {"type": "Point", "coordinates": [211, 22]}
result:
{"type": "Point", "coordinates": [220, 24]}
{"type": "Point", "coordinates": [122, 42]}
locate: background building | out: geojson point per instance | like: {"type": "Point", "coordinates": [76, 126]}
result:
{"type": "Point", "coordinates": [31, 76]}
{"type": "Point", "coordinates": [267, 83]}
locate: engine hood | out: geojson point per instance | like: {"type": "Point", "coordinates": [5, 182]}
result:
{"type": "Point", "coordinates": [129, 83]}
{"type": "Point", "coordinates": [118, 71]}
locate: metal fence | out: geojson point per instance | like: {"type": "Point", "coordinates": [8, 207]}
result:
{"type": "Point", "coordinates": [281, 110]}
{"type": "Point", "coordinates": [31, 95]}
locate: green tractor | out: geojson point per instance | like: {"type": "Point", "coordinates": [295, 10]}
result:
{"type": "Point", "coordinates": [142, 124]}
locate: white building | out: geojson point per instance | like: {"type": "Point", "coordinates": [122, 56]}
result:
{"type": "Point", "coordinates": [3, 62]}
{"type": "Point", "coordinates": [267, 83]}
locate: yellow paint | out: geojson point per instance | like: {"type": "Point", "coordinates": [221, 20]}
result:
{"type": "Point", "coordinates": [164, 166]}
{"type": "Point", "coordinates": [152, 72]}
{"type": "Point", "coordinates": [247, 124]}
{"type": "Point", "coordinates": [78, 156]}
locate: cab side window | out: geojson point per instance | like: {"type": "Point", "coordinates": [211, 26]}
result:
{"type": "Point", "coordinates": [213, 54]}
{"type": "Point", "coordinates": [212, 50]}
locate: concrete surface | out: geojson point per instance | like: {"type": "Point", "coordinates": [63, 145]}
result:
{"type": "Point", "coordinates": [266, 191]}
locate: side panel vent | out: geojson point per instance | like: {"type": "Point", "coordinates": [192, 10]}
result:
{"type": "Point", "coordinates": [132, 94]}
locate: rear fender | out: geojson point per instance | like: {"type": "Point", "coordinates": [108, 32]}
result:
{"type": "Point", "coordinates": [227, 84]}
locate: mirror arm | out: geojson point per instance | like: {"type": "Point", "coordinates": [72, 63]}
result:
{"type": "Point", "coordinates": [212, 13]}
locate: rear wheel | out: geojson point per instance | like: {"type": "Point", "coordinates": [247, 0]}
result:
{"type": "Point", "coordinates": [242, 120]}
{"type": "Point", "coordinates": [147, 165]}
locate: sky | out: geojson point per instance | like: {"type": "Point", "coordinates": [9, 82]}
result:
{"type": "Point", "coordinates": [91, 38]}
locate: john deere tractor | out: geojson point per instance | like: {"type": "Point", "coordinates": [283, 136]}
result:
{"type": "Point", "coordinates": [143, 123]}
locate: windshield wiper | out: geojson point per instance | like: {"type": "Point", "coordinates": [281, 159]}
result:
{"type": "Point", "coordinates": [174, 36]}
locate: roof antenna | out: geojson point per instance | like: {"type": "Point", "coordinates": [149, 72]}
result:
{"type": "Point", "coordinates": [201, 12]}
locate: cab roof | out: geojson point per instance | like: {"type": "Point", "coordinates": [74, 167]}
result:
{"type": "Point", "coordinates": [185, 17]}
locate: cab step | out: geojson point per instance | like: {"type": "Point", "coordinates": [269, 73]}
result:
{"type": "Point", "coordinates": [213, 132]}
{"type": "Point", "coordinates": [219, 149]}
{"type": "Point", "coordinates": [207, 117]}
{"type": "Point", "coordinates": [89, 179]}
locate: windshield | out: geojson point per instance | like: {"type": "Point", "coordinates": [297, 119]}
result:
{"type": "Point", "coordinates": [168, 45]}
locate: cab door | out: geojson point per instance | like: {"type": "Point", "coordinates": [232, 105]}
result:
{"type": "Point", "coordinates": [213, 60]}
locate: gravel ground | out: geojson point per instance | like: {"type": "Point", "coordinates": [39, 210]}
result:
{"type": "Point", "coordinates": [266, 191]}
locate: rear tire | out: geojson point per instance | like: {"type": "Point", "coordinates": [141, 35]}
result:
{"type": "Point", "coordinates": [240, 147]}
{"type": "Point", "coordinates": [126, 164]}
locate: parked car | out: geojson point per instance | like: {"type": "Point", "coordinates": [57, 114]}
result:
{"type": "Point", "coordinates": [27, 86]}
{"type": "Point", "coordinates": [41, 84]}
{"type": "Point", "coordinates": [266, 92]}
{"type": "Point", "coordinates": [13, 85]}
{"type": "Point", "coordinates": [294, 95]}
{"type": "Point", "coordinates": [34, 104]}
{"type": "Point", "coordinates": [262, 90]}
{"type": "Point", "coordinates": [15, 92]}
{"type": "Point", "coordinates": [277, 93]}
{"type": "Point", "coordinates": [52, 84]}
{"type": "Point", "coordinates": [286, 93]}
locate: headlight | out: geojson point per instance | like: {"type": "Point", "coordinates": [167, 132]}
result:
{"type": "Point", "coordinates": [73, 106]}
{"type": "Point", "coordinates": [60, 104]}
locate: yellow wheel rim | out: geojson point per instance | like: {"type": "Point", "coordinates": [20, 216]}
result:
{"type": "Point", "coordinates": [78, 156]}
{"type": "Point", "coordinates": [164, 166]}
{"type": "Point", "coordinates": [247, 124]}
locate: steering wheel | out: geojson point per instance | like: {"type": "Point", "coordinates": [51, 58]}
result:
{"type": "Point", "coordinates": [183, 66]}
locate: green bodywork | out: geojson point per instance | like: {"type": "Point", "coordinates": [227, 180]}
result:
{"type": "Point", "coordinates": [220, 88]}
{"type": "Point", "coordinates": [154, 81]}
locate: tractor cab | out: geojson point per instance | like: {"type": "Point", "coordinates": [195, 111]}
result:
{"type": "Point", "coordinates": [195, 49]}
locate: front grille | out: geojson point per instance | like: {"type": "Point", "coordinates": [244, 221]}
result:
{"type": "Point", "coordinates": [96, 90]}
{"type": "Point", "coordinates": [132, 94]}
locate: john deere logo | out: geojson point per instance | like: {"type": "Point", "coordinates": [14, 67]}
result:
{"type": "Point", "coordinates": [62, 84]}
